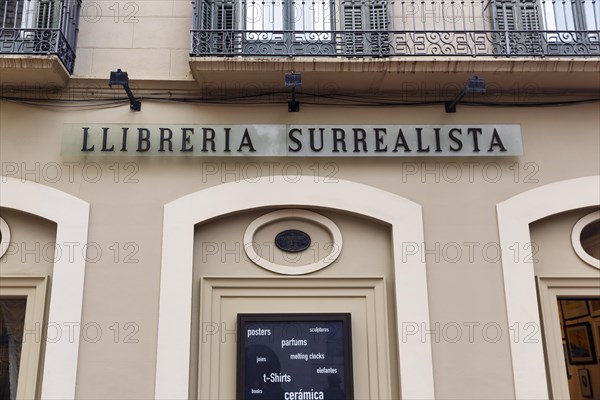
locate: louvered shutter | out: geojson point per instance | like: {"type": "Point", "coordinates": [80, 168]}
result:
{"type": "Point", "coordinates": [519, 20]}
{"type": "Point", "coordinates": [504, 16]}
{"type": "Point", "coordinates": [354, 43]}
{"type": "Point", "coordinates": [205, 16]}
{"type": "Point", "coordinates": [353, 19]}
{"type": "Point", "coordinates": [224, 13]}
{"type": "Point", "coordinates": [217, 18]}
{"type": "Point", "coordinates": [517, 15]}
{"type": "Point", "coordinates": [530, 16]}
{"type": "Point", "coordinates": [371, 19]}
{"type": "Point", "coordinates": [224, 23]}
{"type": "Point", "coordinates": [45, 18]}
{"type": "Point", "coordinates": [379, 22]}
{"type": "Point", "coordinates": [378, 16]}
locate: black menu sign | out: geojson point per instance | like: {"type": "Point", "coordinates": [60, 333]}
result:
{"type": "Point", "coordinates": [294, 357]}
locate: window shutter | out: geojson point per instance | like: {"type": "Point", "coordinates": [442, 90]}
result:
{"type": "Point", "coordinates": [218, 18]}
{"type": "Point", "coordinates": [205, 16]}
{"type": "Point", "coordinates": [530, 16]}
{"type": "Point", "coordinates": [224, 16]}
{"type": "Point", "coordinates": [378, 16]}
{"type": "Point", "coordinates": [504, 16]}
{"type": "Point", "coordinates": [520, 20]}
{"type": "Point", "coordinates": [352, 16]}
{"type": "Point", "coordinates": [517, 15]}
{"type": "Point", "coordinates": [372, 20]}
{"type": "Point", "coordinates": [215, 15]}
{"type": "Point", "coordinates": [379, 21]}
{"type": "Point", "coordinates": [46, 14]}
{"type": "Point", "coordinates": [353, 21]}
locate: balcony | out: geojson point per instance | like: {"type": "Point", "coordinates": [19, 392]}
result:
{"type": "Point", "coordinates": [38, 41]}
{"type": "Point", "coordinates": [384, 28]}
{"type": "Point", "coordinates": [263, 36]}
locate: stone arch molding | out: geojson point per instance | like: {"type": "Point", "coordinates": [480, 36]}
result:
{"type": "Point", "coordinates": [181, 215]}
{"type": "Point", "coordinates": [71, 216]}
{"type": "Point", "coordinates": [514, 217]}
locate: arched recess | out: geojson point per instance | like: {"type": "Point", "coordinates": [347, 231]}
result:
{"type": "Point", "coordinates": [514, 217]}
{"type": "Point", "coordinates": [71, 216]}
{"type": "Point", "coordinates": [181, 215]}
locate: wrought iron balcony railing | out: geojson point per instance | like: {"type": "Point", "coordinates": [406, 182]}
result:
{"type": "Point", "coordinates": [40, 27]}
{"type": "Point", "coordinates": [381, 28]}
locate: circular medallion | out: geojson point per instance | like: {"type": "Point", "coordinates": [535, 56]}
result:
{"type": "Point", "coordinates": [292, 241]}
{"type": "Point", "coordinates": [585, 238]}
{"type": "Point", "coordinates": [4, 236]}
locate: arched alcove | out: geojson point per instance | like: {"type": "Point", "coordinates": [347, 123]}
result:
{"type": "Point", "coordinates": [71, 216]}
{"type": "Point", "coordinates": [180, 217]}
{"type": "Point", "coordinates": [514, 217]}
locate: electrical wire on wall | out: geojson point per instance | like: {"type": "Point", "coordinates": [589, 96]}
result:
{"type": "Point", "coordinates": [84, 99]}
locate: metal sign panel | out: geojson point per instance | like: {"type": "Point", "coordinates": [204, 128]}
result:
{"type": "Point", "coordinates": [294, 356]}
{"type": "Point", "coordinates": [292, 140]}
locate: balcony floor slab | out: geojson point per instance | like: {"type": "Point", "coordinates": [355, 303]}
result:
{"type": "Point", "coordinates": [32, 70]}
{"type": "Point", "coordinates": [394, 73]}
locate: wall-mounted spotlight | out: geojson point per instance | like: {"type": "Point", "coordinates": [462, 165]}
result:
{"type": "Point", "coordinates": [293, 80]}
{"type": "Point", "coordinates": [119, 77]}
{"type": "Point", "coordinates": [474, 85]}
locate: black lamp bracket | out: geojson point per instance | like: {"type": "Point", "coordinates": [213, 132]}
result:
{"type": "Point", "coordinates": [121, 78]}
{"type": "Point", "coordinates": [293, 106]}
{"type": "Point", "coordinates": [474, 85]}
{"type": "Point", "coordinates": [293, 80]}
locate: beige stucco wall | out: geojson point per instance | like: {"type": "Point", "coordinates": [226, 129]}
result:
{"type": "Point", "coordinates": [33, 245]}
{"type": "Point", "coordinates": [149, 36]}
{"type": "Point", "coordinates": [465, 289]}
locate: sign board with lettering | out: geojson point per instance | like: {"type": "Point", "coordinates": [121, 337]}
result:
{"type": "Point", "coordinates": [294, 356]}
{"type": "Point", "coordinates": [253, 140]}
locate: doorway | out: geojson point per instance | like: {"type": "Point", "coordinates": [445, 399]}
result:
{"type": "Point", "coordinates": [580, 328]}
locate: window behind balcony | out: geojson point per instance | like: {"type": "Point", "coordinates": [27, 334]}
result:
{"type": "Point", "coordinates": [298, 27]}
{"type": "Point", "coordinates": [575, 15]}
{"type": "Point", "coordinates": [30, 14]}
{"type": "Point", "coordinates": [303, 16]}
{"type": "Point", "coordinates": [545, 26]}
{"type": "Point", "coordinates": [283, 27]}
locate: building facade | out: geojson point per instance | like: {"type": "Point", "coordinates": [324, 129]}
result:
{"type": "Point", "coordinates": [370, 199]}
